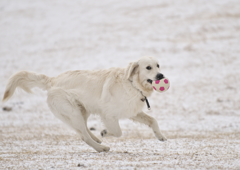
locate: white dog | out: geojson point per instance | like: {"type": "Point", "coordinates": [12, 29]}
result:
{"type": "Point", "coordinates": [114, 94]}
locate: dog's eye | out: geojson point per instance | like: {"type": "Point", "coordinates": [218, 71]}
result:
{"type": "Point", "coordinates": [158, 65]}
{"type": "Point", "coordinates": [148, 67]}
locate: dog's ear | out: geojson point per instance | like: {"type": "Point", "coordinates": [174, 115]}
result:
{"type": "Point", "coordinates": [132, 67]}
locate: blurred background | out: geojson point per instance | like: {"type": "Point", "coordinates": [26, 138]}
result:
{"type": "Point", "coordinates": [197, 43]}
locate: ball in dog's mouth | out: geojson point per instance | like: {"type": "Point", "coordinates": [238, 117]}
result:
{"type": "Point", "coordinates": [149, 81]}
{"type": "Point", "coordinates": [161, 85]}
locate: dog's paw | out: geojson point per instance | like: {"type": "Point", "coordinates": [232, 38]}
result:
{"type": "Point", "coordinates": [103, 148]}
{"type": "Point", "coordinates": [106, 149]}
{"type": "Point", "coordinates": [104, 133]}
{"type": "Point", "coordinates": [162, 138]}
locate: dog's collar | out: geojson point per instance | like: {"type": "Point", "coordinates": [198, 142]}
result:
{"type": "Point", "coordinates": [144, 97]}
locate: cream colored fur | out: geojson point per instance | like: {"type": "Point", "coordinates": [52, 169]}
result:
{"type": "Point", "coordinates": [113, 94]}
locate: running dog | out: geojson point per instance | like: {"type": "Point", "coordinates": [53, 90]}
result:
{"type": "Point", "coordinates": [115, 93]}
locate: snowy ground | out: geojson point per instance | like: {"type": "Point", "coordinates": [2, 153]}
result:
{"type": "Point", "coordinates": [197, 44]}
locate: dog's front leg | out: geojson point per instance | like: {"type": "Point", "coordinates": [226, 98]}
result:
{"type": "Point", "coordinates": [113, 128]}
{"type": "Point", "coordinates": [151, 122]}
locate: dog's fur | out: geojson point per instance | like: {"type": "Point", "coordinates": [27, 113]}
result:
{"type": "Point", "coordinates": [113, 94]}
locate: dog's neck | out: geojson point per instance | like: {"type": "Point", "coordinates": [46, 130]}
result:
{"type": "Point", "coordinates": [136, 84]}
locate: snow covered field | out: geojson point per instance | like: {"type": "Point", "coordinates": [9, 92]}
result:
{"type": "Point", "coordinates": [198, 46]}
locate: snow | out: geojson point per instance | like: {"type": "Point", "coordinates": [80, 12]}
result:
{"type": "Point", "coordinates": [197, 44]}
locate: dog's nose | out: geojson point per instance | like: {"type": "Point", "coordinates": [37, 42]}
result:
{"type": "Point", "coordinates": [159, 76]}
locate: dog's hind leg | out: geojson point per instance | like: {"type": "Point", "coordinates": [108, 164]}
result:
{"type": "Point", "coordinates": [64, 106]}
{"type": "Point", "coordinates": [94, 137]}
{"type": "Point", "coordinates": [151, 122]}
{"type": "Point", "coordinates": [85, 116]}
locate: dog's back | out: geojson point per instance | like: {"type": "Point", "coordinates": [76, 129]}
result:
{"type": "Point", "coordinates": [86, 81]}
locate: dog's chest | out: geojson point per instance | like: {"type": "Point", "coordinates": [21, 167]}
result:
{"type": "Point", "coordinates": [132, 104]}
{"type": "Point", "coordinates": [134, 107]}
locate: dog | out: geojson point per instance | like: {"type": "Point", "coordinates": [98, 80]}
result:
{"type": "Point", "coordinates": [115, 93]}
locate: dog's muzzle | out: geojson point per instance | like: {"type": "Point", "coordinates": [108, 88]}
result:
{"type": "Point", "coordinates": [159, 76]}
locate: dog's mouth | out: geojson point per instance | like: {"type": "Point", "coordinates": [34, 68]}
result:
{"type": "Point", "coordinates": [149, 81]}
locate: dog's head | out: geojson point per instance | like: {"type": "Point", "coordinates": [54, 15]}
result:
{"type": "Point", "coordinates": [147, 69]}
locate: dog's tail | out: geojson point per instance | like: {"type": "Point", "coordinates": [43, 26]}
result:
{"type": "Point", "coordinates": [26, 80]}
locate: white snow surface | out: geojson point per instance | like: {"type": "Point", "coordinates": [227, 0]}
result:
{"type": "Point", "coordinates": [198, 46]}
